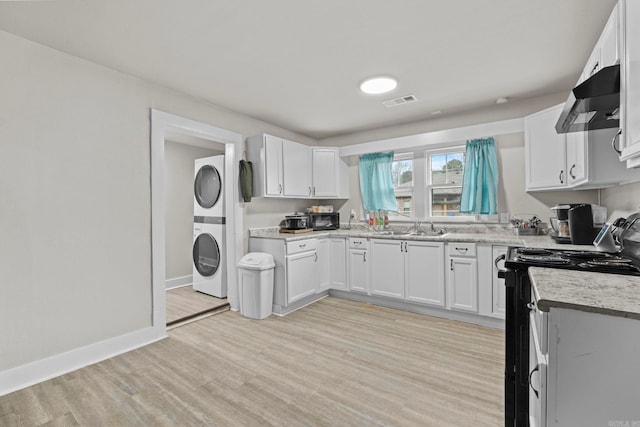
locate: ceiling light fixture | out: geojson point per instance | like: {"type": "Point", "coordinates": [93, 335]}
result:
{"type": "Point", "coordinates": [502, 100]}
{"type": "Point", "coordinates": [378, 85]}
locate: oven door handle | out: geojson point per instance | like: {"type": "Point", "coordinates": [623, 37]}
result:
{"type": "Point", "coordinates": [501, 272]}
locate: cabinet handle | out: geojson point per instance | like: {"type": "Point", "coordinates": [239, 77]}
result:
{"type": "Point", "coordinates": [310, 191]}
{"type": "Point", "coordinates": [537, 368]}
{"type": "Point", "coordinates": [497, 260]}
{"type": "Point", "coordinates": [571, 171]}
{"type": "Point", "coordinates": [302, 246]}
{"type": "Point", "coordinates": [401, 247]}
{"type": "Point", "coordinates": [405, 247]}
{"type": "Point", "coordinates": [364, 256]}
{"type": "Point", "coordinates": [561, 177]}
{"type": "Point", "coordinates": [314, 191]}
{"type": "Point", "coordinates": [594, 69]}
{"type": "Point", "coordinates": [613, 142]}
{"type": "Point", "coordinates": [279, 188]}
{"type": "Point", "coordinates": [531, 306]}
{"type": "Point", "coordinates": [451, 264]}
{"type": "Point", "coordinates": [462, 250]}
{"type": "Point", "coordinates": [357, 243]}
{"type": "Point", "coordinates": [316, 256]}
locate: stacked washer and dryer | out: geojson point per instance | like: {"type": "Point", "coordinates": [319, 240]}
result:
{"type": "Point", "coordinates": [209, 224]}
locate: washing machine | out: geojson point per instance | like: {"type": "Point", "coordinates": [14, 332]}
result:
{"type": "Point", "coordinates": [209, 225]}
{"type": "Point", "coordinates": [208, 188]}
{"type": "Point", "coordinates": [209, 272]}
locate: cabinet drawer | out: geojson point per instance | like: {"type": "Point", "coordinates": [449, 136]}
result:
{"type": "Point", "coordinates": [462, 249]}
{"type": "Point", "coordinates": [301, 246]}
{"type": "Point", "coordinates": [357, 243]}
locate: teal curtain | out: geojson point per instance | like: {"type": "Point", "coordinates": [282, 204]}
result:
{"type": "Point", "coordinates": [480, 179]}
{"type": "Point", "coordinates": [376, 183]}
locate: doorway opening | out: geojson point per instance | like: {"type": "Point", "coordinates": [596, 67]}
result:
{"type": "Point", "coordinates": [172, 134]}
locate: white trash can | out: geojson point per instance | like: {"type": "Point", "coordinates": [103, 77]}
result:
{"type": "Point", "coordinates": [255, 284]}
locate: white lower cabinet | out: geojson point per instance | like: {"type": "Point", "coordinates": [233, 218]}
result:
{"type": "Point", "coordinates": [338, 263]}
{"type": "Point", "coordinates": [387, 268]}
{"type": "Point", "coordinates": [462, 283]}
{"type": "Point", "coordinates": [358, 265]}
{"type": "Point", "coordinates": [296, 278]}
{"type": "Point", "coordinates": [449, 276]}
{"type": "Point", "coordinates": [408, 269]}
{"type": "Point", "coordinates": [301, 275]}
{"type": "Point", "coordinates": [323, 265]}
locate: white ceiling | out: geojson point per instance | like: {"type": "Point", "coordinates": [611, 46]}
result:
{"type": "Point", "coordinates": [298, 63]}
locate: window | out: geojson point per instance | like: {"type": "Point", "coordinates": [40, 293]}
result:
{"type": "Point", "coordinates": [445, 169]}
{"type": "Point", "coordinates": [402, 174]}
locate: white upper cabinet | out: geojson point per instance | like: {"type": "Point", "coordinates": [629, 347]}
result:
{"type": "Point", "coordinates": [296, 161]}
{"type": "Point", "coordinates": [284, 168]}
{"type": "Point", "coordinates": [572, 160]}
{"type": "Point", "coordinates": [629, 37]}
{"type": "Point", "coordinates": [545, 151]}
{"type": "Point", "coordinates": [325, 172]}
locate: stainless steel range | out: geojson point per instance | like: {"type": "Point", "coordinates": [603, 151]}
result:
{"type": "Point", "coordinates": [626, 260]}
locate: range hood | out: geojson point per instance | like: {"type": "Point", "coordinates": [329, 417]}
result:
{"type": "Point", "coordinates": [593, 104]}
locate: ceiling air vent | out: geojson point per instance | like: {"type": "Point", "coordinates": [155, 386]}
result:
{"type": "Point", "coordinates": [400, 101]}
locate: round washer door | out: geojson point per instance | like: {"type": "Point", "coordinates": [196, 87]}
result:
{"type": "Point", "coordinates": [206, 255]}
{"type": "Point", "coordinates": [207, 186]}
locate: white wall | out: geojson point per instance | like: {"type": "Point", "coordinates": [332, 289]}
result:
{"type": "Point", "coordinates": [75, 215]}
{"type": "Point", "coordinates": [179, 171]}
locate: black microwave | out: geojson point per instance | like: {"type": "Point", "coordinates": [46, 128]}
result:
{"type": "Point", "coordinates": [325, 221]}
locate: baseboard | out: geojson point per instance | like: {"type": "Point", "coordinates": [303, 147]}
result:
{"type": "Point", "coordinates": [420, 309]}
{"type": "Point", "coordinates": [178, 282]}
{"type": "Point", "coordinates": [41, 370]}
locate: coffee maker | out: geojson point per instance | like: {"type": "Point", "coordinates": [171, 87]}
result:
{"type": "Point", "coordinates": [577, 223]}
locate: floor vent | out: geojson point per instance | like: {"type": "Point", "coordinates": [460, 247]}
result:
{"type": "Point", "coordinates": [400, 101]}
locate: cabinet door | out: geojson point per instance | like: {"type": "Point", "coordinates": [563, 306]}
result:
{"type": "Point", "coordinates": [273, 165]}
{"type": "Point", "coordinates": [301, 275]}
{"type": "Point", "coordinates": [499, 292]}
{"type": "Point", "coordinates": [577, 162]}
{"type": "Point", "coordinates": [537, 381]}
{"type": "Point", "coordinates": [323, 265]}
{"type": "Point", "coordinates": [463, 284]}
{"type": "Point", "coordinates": [387, 267]}
{"type": "Point", "coordinates": [545, 156]}
{"type": "Point", "coordinates": [325, 172]}
{"type": "Point", "coordinates": [358, 270]}
{"type": "Point", "coordinates": [296, 161]}
{"type": "Point", "coordinates": [630, 80]}
{"type": "Point", "coordinates": [338, 251]}
{"type": "Point", "coordinates": [609, 53]}
{"type": "Point", "coordinates": [424, 279]}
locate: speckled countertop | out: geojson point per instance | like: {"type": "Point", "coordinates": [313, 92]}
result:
{"type": "Point", "coordinates": [610, 294]}
{"type": "Point", "coordinates": [494, 234]}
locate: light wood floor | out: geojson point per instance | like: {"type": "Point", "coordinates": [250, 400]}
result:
{"type": "Point", "coordinates": [334, 363]}
{"type": "Point", "coordinates": [185, 303]}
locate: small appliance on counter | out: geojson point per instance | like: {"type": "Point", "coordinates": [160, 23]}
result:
{"type": "Point", "coordinates": [295, 223]}
{"type": "Point", "coordinates": [577, 223]}
{"type": "Point", "coordinates": [324, 221]}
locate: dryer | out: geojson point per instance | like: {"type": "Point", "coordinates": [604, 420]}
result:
{"type": "Point", "coordinates": [209, 247]}
{"type": "Point", "coordinates": [209, 272]}
{"type": "Point", "coordinates": [208, 187]}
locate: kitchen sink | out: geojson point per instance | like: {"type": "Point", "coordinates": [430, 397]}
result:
{"type": "Point", "coordinates": [411, 233]}
{"type": "Point", "coordinates": [392, 233]}
{"type": "Point", "coordinates": [427, 233]}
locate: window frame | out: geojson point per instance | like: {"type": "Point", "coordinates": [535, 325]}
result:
{"type": "Point", "coordinates": [429, 186]}
{"type": "Point", "coordinates": [410, 189]}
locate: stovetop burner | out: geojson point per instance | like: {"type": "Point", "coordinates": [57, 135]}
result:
{"type": "Point", "coordinates": [543, 259]}
{"type": "Point", "coordinates": [601, 262]}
